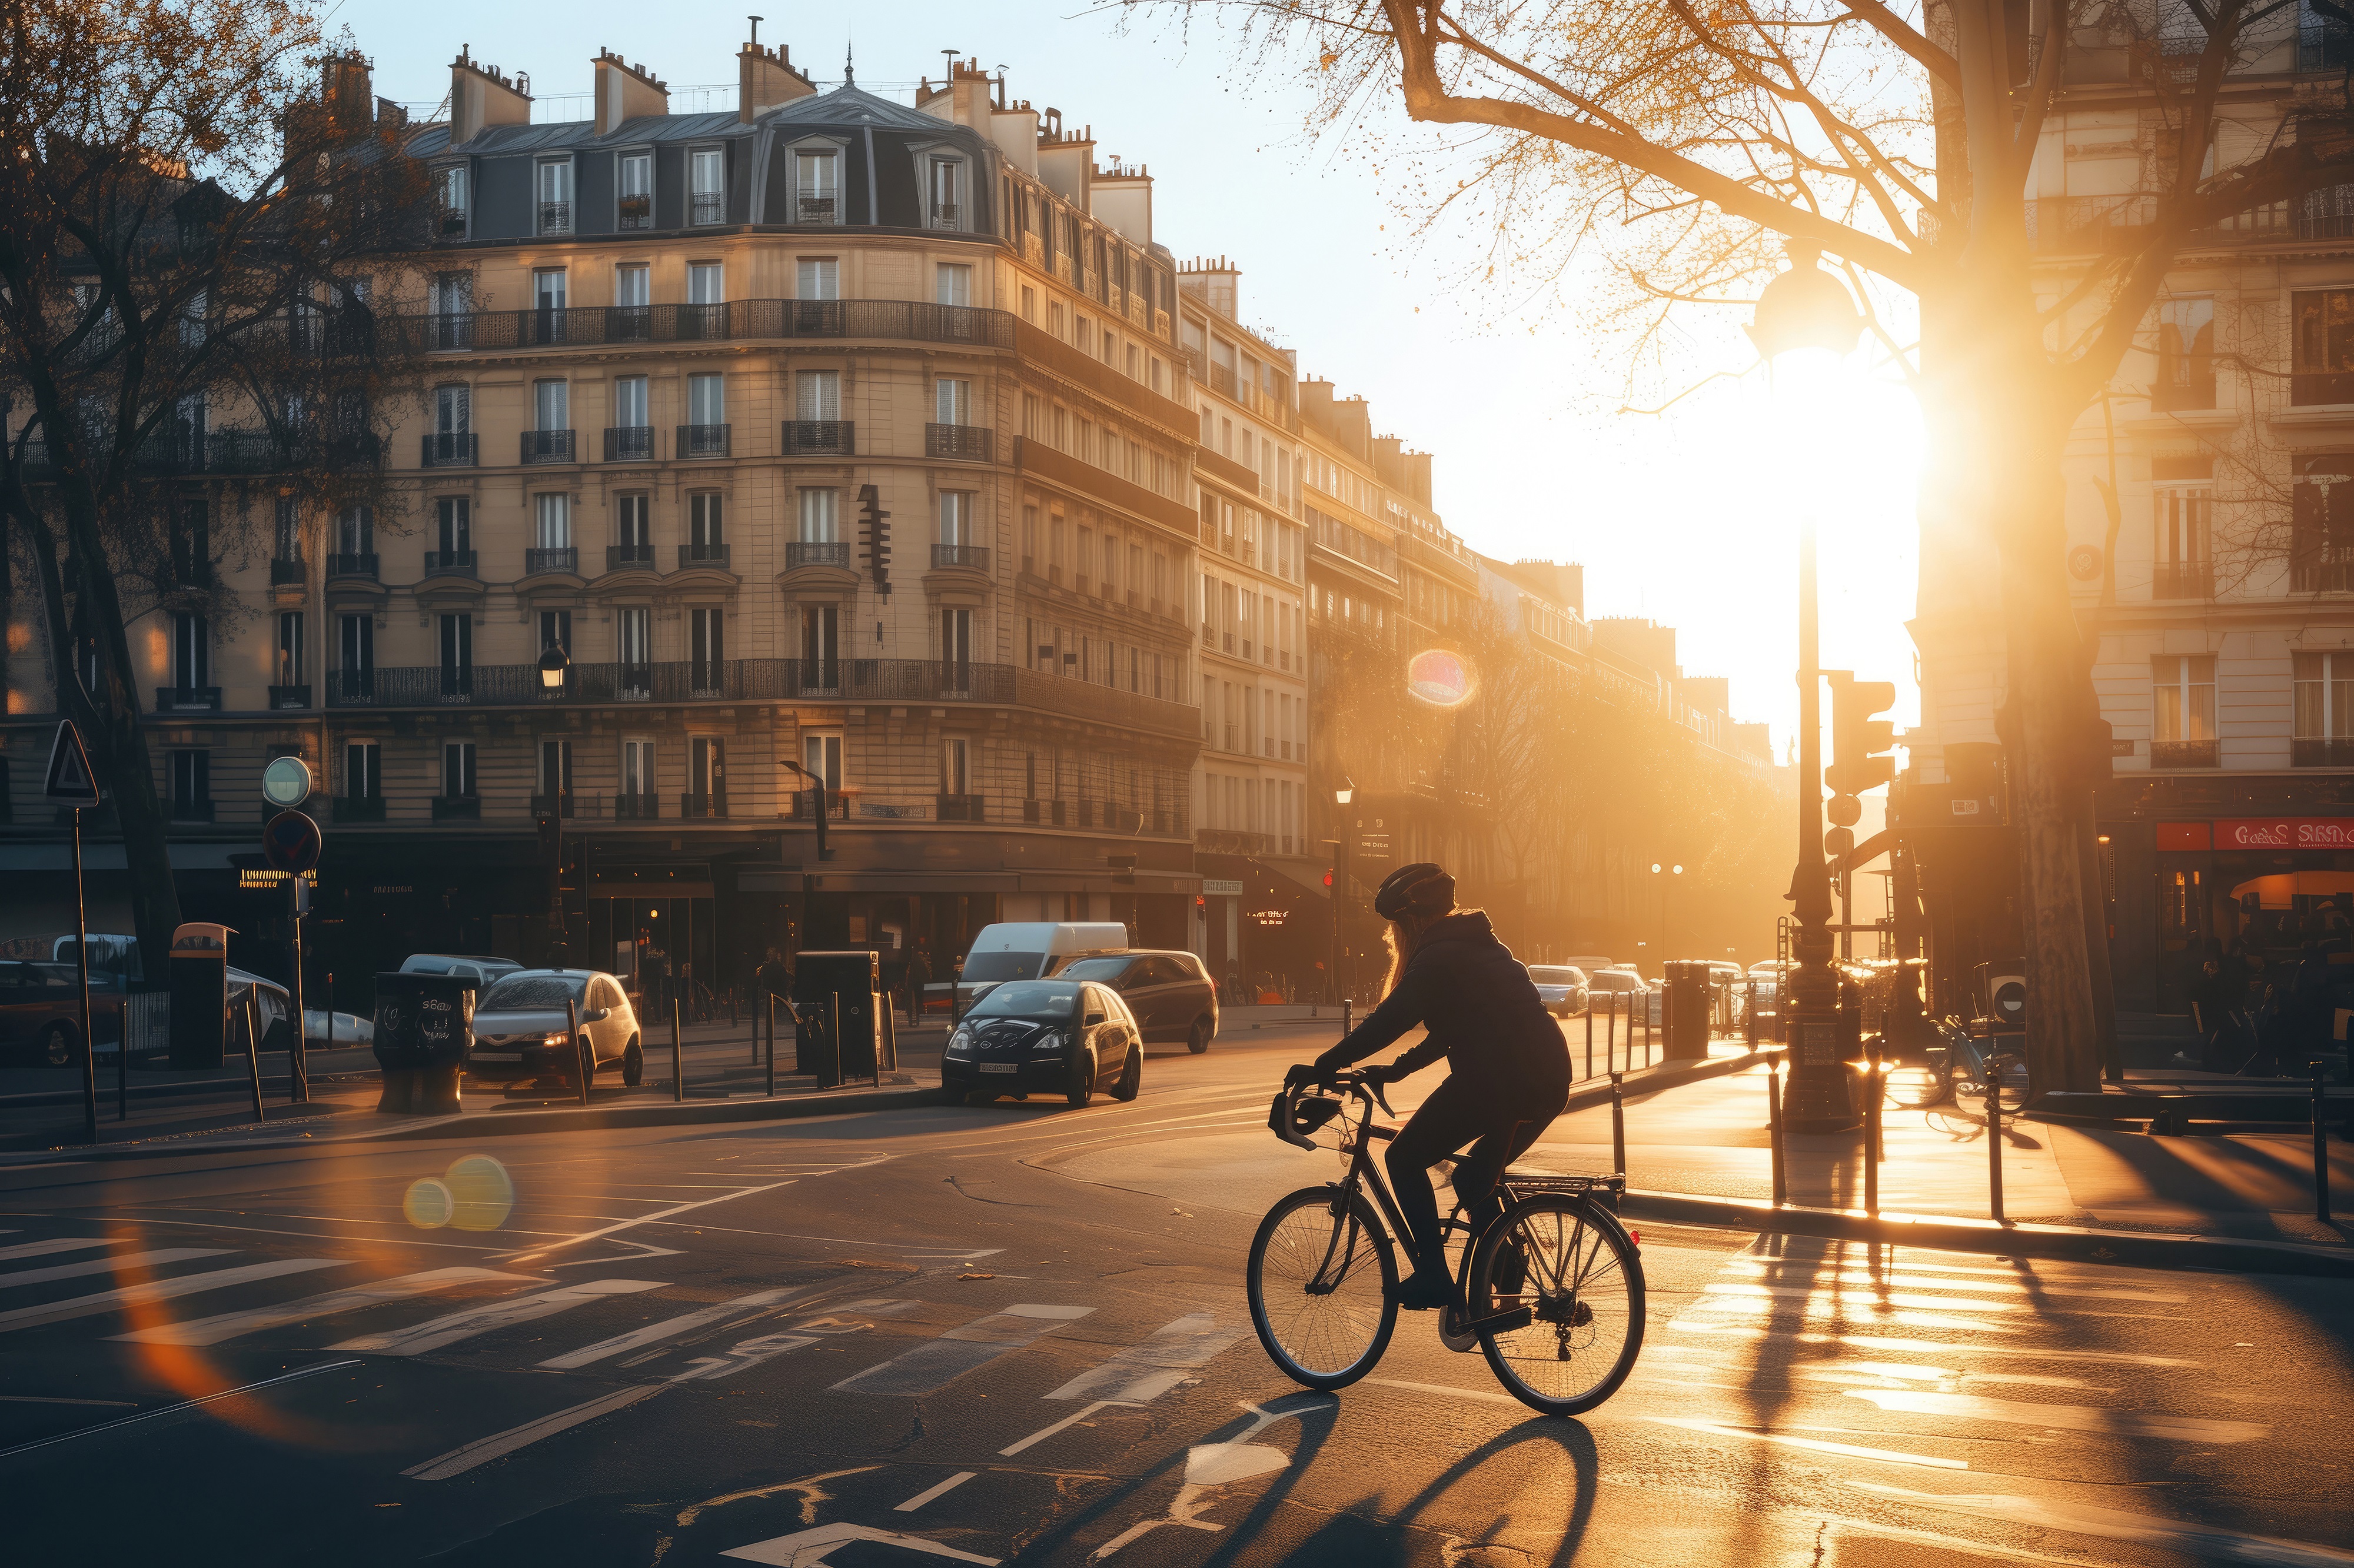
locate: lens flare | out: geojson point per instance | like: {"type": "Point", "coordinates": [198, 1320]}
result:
{"type": "Point", "coordinates": [1440, 678]}
{"type": "Point", "coordinates": [482, 1193]}
{"type": "Point", "coordinates": [428, 1204]}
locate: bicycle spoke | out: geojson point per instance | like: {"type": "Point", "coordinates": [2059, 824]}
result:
{"type": "Point", "coordinates": [1584, 1306]}
{"type": "Point", "coordinates": [1318, 1284]}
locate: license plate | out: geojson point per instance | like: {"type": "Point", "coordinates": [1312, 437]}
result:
{"type": "Point", "coordinates": [1001, 1066]}
{"type": "Point", "coordinates": [497, 1056]}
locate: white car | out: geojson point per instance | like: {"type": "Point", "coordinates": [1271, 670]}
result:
{"type": "Point", "coordinates": [519, 1026]}
{"type": "Point", "coordinates": [1561, 987]}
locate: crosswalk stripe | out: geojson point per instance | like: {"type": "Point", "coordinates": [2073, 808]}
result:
{"type": "Point", "coordinates": [230, 1325]}
{"type": "Point", "coordinates": [938, 1362]}
{"type": "Point", "coordinates": [160, 1290]}
{"type": "Point", "coordinates": [111, 1263]}
{"type": "Point", "coordinates": [436, 1332]}
{"type": "Point", "coordinates": [1151, 1368]}
{"type": "Point", "coordinates": [43, 1248]}
{"type": "Point", "coordinates": [498, 1445]}
{"type": "Point", "coordinates": [675, 1328]}
{"type": "Point", "coordinates": [2065, 1417]}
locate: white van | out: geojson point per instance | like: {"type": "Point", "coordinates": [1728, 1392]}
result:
{"type": "Point", "coordinates": [1032, 950]}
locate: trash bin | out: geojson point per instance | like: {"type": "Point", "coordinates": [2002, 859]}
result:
{"type": "Point", "coordinates": [199, 994]}
{"type": "Point", "coordinates": [847, 985]}
{"type": "Point", "coordinates": [1689, 1000]}
{"type": "Point", "coordinates": [424, 1027]}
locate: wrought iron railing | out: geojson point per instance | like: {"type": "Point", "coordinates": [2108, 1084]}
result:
{"type": "Point", "coordinates": [702, 441]}
{"type": "Point", "coordinates": [629, 443]}
{"type": "Point", "coordinates": [547, 445]}
{"type": "Point", "coordinates": [819, 437]}
{"type": "Point", "coordinates": [449, 564]}
{"type": "Point", "coordinates": [2185, 754]}
{"type": "Point", "coordinates": [2182, 579]}
{"type": "Point", "coordinates": [707, 553]}
{"type": "Point", "coordinates": [494, 331]}
{"type": "Point", "coordinates": [287, 569]}
{"type": "Point", "coordinates": [816, 553]}
{"type": "Point", "coordinates": [553, 558]}
{"type": "Point", "coordinates": [449, 448]}
{"type": "Point", "coordinates": [619, 557]}
{"type": "Point", "coordinates": [707, 207]}
{"type": "Point", "coordinates": [971, 557]}
{"type": "Point", "coordinates": [169, 699]}
{"type": "Point", "coordinates": [969, 441]}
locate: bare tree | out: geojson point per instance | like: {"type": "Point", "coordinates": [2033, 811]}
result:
{"type": "Point", "coordinates": [198, 203]}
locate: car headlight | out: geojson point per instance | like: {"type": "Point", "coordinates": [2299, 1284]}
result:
{"type": "Point", "coordinates": [959, 1044]}
{"type": "Point", "coordinates": [1049, 1044]}
{"type": "Point", "coordinates": [555, 1037]}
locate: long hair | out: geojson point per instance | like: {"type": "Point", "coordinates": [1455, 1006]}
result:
{"type": "Point", "coordinates": [1405, 934]}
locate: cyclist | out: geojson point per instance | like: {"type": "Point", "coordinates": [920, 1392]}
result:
{"type": "Point", "coordinates": [1508, 1061]}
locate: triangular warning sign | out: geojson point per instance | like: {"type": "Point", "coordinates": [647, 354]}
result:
{"type": "Point", "coordinates": [70, 781]}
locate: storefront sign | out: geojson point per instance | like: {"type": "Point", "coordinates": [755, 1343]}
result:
{"type": "Point", "coordinates": [1219, 886]}
{"type": "Point", "coordinates": [251, 877]}
{"type": "Point", "coordinates": [2286, 832]}
{"type": "Point", "coordinates": [2180, 836]}
{"type": "Point", "coordinates": [1268, 916]}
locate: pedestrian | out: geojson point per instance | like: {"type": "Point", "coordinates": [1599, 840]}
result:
{"type": "Point", "coordinates": [658, 979]}
{"type": "Point", "coordinates": [2210, 1012]}
{"type": "Point", "coordinates": [920, 975]}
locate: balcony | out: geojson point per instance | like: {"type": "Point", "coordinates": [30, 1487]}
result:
{"type": "Point", "coordinates": [628, 806]}
{"type": "Point", "coordinates": [556, 217]}
{"type": "Point", "coordinates": [737, 319]}
{"type": "Point", "coordinates": [283, 572]}
{"type": "Point", "coordinates": [561, 804]}
{"type": "Point", "coordinates": [819, 437]}
{"type": "Point", "coordinates": [2322, 751]}
{"type": "Point", "coordinates": [964, 557]}
{"type": "Point", "coordinates": [2307, 389]}
{"type": "Point", "coordinates": [2186, 754]}
{"type": "Point", "coordinates": [347, 688]}
{"type": "Point", "coordinates": [960, 808]}
{"type": "Point", "coordinates": [450, 564]}
{"type": "Point", "coordinates": [188, 699]}
{"type": "Point", "coordinates": [707, 207]}
{"type": "Point", "coordinates": [192, 811]}
{"type": "Point", "coordinates": [547, 445]}
{"type": "Point", "coordinates": [636, 212]}
{"type": "Point", "coordinates": [693, 804]}
{"type": "Point", "coordinates": [815, 210]}
{"type": "Point", "coordinates": [2310, 576]}
{"type": "Point", "coordinates": [1045, 813]}
{"type": "Point", "coordinates": [970, 442]}
{"type": "Point", "coordinates": [703, 323]}
{"type": "Point", "coordinates": [628, 558]}
{"type": "Point", "coordinates": [837, 806]}
{"type": "Point", "coordinates": [816, 552]}
{"type": "Point", "coordinates": [703, 555]}
{"type": "Point", "coordinates": [2182, 394]}
{"type": "Point", "coordinates": [290, 696]}
{"type": "Point", "coordinates": [2182, 579]}
{"type": "Point", "coordinates": [943, 215]}
{"type": "Point", "coordinates": [457, 807]}
{"type": "Point", "coordinates": [449, 448]}
{"type": "Point", "coordinates": [359, 808]}
{"type": "Point", "coordinates": [702, 441]}
{"type": "Point", "coordinates": [629, 444]}
{"type": "Point", "coordinates": [453, 222]}
{"type": "Point", "coordinates": [557, 559]}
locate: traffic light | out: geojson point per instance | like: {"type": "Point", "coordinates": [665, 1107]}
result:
{"type": "Point", "coordinates": [1123, 870]}
{"type": "Point", "coordinates": [1860, 743]}
{"type": "Point", "coordinates": [875, 524]}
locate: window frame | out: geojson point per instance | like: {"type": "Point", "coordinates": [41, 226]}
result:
{"type": "Point", "coordinates": [836, 149]}
{"type": "Point", "coordinates": [622, 158]}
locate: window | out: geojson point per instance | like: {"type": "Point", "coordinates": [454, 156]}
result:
{"type": "Point", "coordinates": [956, 769]}
{"type": "Point", "coordinates": [457, 655]}
{"type": "Point", "coordinates": [2182, 715]}
{"type": "Point", "coordinates": [637, 771]}
{"type": "Point", "coordinates": [952, 401]}
{"type": "Point", "coordinates": [2183, 570]}
{"type": "Point", "coordinates": [707, 185]}
{"type": "Point", "coordinates": [555, 197]}
{"type": "Point", "coordinates": [820, 279]}
{"type": "Point", "coordinates": [946, 180]}
{"type": "Point", "coordinates": [457, 770]}
{"type": "Point", "coordinates": [821, 754]}
{"type": "Point", "coordinates": [705, 284]}
{"type": "Point", "coordinates": [556, 629]}
{"type": "Point", "coordinates": [192, 655]}
{"type": "Point", "coordinates": [362, 771]}
{"type": "Point", "coordinates": [631, 288]}
{"type": "Point", "coordinates": [290, 648]}
{"type": "Point", "coordinates": [708, 771]}
{"type": "Point", "coordinates": [952, 283]}
{"type": "Point", "coordinates": [629, 412]}
{"type": "Point", "coordinates": [819, 518]}
{"type": "Point", "coordinates": [956, 636]}
{"type": "Point", "coordinates": [636, 187]}
{"type": "Point", "coordinates": [551, 404]}
{"type": "Point", "coordinates": [192, 785]}
{"type": "Point", "coordinates": [357, 642]}
{"type": "Point", "coordinates": [633, 639]}
{"type": "Point", "coordinates": [556, 768]}
{"type": "Point", "coordinates": [705, 542]}
{"type": "Point", "coordinates": [449, 195]}
{"type": "Point", "coordinates": [818, 394]}
{"type": "Point", "coordinates": [2186, 350]}
{"type": "Point", "coordinates": [2324, 687]}
{"type": "Point", "coordinates": [2321, 539]}
{"type": "Point", "coordinates": [631, 514]}
{"type": "Point", "coordinates": [821, 644]}
{"type": "Point", "coordinates": [547, 289]}
{"type": "Point", "coordinates": [706, 631]}
{"type": "Point", "coordinates": [706, 401]}
{"type": "Point", "coordinates": [452, 413]}
{"type": "Point", "coordinates": [454, 517]}
{"type": "Point", "coordinates": [452, 294]}
{"type": "Point", "coordinates": [816, 192]}
{"type": "Point", "coordinates": [956, 516]}
{"type": "Point", "coordinates": [555, 521]}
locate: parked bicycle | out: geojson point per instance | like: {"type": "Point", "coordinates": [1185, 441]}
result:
{"type": "Point", "coordinates": [1550, 1289]}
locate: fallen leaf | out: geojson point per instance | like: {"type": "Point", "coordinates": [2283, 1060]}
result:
{"type": "Point", "coordinates": [976, 1277]}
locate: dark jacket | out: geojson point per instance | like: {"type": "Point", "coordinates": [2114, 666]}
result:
{"type": "Point", "coordinates": [1480, 1007]}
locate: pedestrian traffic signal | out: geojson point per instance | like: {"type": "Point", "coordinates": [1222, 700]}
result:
{"type": "Point", "coordinates": [1860, 741]}
{"type": "Point", "coordinates": [876, 532]}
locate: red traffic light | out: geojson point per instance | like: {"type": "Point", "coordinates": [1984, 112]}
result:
{"type": "Point", "coordinates": [1328, 879]}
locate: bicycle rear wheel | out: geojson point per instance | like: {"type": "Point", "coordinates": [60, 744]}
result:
{"type": "Point", "coordinates": [1573, 1265]}
{"type": "Point", "coordinates": [1914, 1085]}
{"type": "Point", "coordinates": [1321, 1282]}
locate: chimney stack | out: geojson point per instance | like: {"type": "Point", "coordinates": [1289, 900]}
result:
{"type": "Point", "coordinates": [480, 96]}
{"type": "Point", "coordinates": [626, 93]}
{"type": "Point", "coordinates": [765, 78]}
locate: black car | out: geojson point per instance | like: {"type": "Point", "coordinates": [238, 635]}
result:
{"type": "Point", "coordinates": [1169, 992]}
{"type": "Point", "coordinates": [1050, 1036]}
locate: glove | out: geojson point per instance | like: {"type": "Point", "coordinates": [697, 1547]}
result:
{"type": "Point", "coordinates": [1383, 1073]}
{"type": "Point", "coordinates": [1298, 1074]}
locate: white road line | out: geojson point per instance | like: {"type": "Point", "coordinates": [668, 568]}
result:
{"type": "Point", "coordinates": [741, 1357]}
{"type": "Point", "coordinates": [180, 1409]}
{"type": "Point", "coordinates": [1147, 1369]}
{"type": "Point", "coordinates": [2064, 1417]}
{"type": "Point", "coordinates": [808, 1548]}
{"type": "Point", "coordinates": [1744, 1289]}
{"type": "Point", "coordinates": [42, 1249]}
{"type": "Point", "coordinates": [643, 1220]}
{"type": "Point", "coordinates": [1045, 1432]}
{"type": "Point", "coordinates": [675, 1328]}
{"type": "Point", "coordinates": [920, 1499]}
{"type": "Point", "coordinates": [938, 1361]}
{"type": "Point", "coordinates": [436, 1332]}
{"type": "Point", "coordinates": [160, 1290]}
{"type": "Point", "coordinates": [113, 1263]}
{"type": "Point", "coordinates": [1814, 1444]}
{"type": "Point", "coordinates": [230, 1325]}
{"type": "Point", "coordinates": [1481, 1395]}
{"type": "Point", "coordinates": [482, 1450]}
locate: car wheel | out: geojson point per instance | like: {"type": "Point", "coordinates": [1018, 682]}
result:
{"type": "Point", "coordinates": [1132, 1077]}
{"type": "Point", "coordinates": [1082, 1086]}
{"type": "Point", "coordinates": [58, 1046]}
{"type": "Point", "coordinates": [1199, 1040]}
{"type": "Point", "coordinates": [633, 1065]}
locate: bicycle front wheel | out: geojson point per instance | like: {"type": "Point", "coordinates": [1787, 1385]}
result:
{"type": "Point", "coordinates": [1322, 1282]}
{"type": "Point", "coordinates": [1575, 1266]}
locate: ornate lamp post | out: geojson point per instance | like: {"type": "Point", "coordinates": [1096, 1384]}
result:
{"type": "Point", "coordinates": [554, 664]}
{"type": "Point", "coordinates": [1340, 797]}
{"type": "Point", "coordinates": [1806, 310]}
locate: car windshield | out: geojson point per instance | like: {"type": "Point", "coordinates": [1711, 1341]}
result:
{"type": "Point", "coordinates": [1003, 966]}
{"type": "Point", "coordinates": [1095, 970]}
{"type": "Point", "coordinates": [536, 990]}
{"type": "Point", "coordinates": [1552, 974]}
{"type": "Point", "coordinates": [1028, 999]}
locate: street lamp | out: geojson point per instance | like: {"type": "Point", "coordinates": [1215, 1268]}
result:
{"type": "Point", "coordinates": [1806, 312]}
{"type": "Point", "coordinates": [1343, 796]}
{"type": "Point", "coordinates": [554, 665]}
{"type": "Point", "coordinates": [1664, 873]}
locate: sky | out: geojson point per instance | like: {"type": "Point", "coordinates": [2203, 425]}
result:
{"type": "Point", "coordinates": [1687, 517]}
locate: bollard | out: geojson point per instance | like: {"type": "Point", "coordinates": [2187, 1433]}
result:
{"type": "Point", "coordinates": [1773, 1126]}
{"type": "Point", "coordinates": [1994, 1137]}
{"type": "Point", "coordinates": [1878, 1091]}
{"type": "Point", "coordinates": [1610, 1037]}
{"type": "Point", "coordinates": [1617, 1125]}
{"type": "Point", "coordinates": [2321, 1147]}
{"type": "Point", "coordinates": [583, 1059]}
{"type": "Point", "coordinates": [771, 1059]}
{"type": "Point", "coordinates": [834, 1026]}
{"type": "Point", "coordinates": [1347, 1005]}
{"type": "Point", "coordinates": [1589, 1035]}
{"type": "Point", "coordinates": [677, 1058]}
{"type": "Point", "coordinates": [253, 1048]}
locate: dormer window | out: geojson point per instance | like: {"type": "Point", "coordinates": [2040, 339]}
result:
{"type": "Point", "coordinates": [555, 197]}
{"type": "Point", "coordinates": [636, 187]}
{"type": "Point", "coordinates": [817, 187]}
{"type": "Point", "coordinates": [707, 185]}
{"type": "Point", "coordinates": [944, 186]}
{"type": "Point", "coordinates": [449, 195]}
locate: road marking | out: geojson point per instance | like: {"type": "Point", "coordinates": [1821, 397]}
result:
{"type": "Point", "coordinates": [228, 1325]}
{"type": "Point", "coordinates": [741, 1357]}
{"type": "Point", "coordinates": [938, 1361]}
{"type": "Point", "coordinates": [1147, 1369]}
{"type": "Point", "coordinates": [1816, 1445]}
{"type": "Point", "coordinates": [2066, 1418]}
{"type": "Point", "coordinates": [1743, 1291]}
{"type": "Point", "coordinates": [678, 1327]}
{"type": "Point", "coordinates": [808, 1548]}
{"type": "Point", "coordinates": [42, 1249]}
{"type": "Point", "coordinates": [482, 1450]}
{"type": "Point", "coordinates": [183, 1408]}
{"type": "Point", "coordinates": [920, 1499]}
{"type": "Point", "coordinates": [110, 1263]}
{"type": "Point", "coordinates": [1209, 1466]}
{"type": "Point", "coordinates": [436, 1332]}
{"type": "Point", "coordinates": [1906, 1275]}
{"type": "Point", "coordinates": [643, 1220]}
{"type": "Point", "coordinates": [1045, 1432]}
{"type": "Point", "coordinates": [1481, 1395]}
{"type": "Point", "coordinates": [2119, 1524]}
{"type": "Point", "coordinates": [160, 1290]}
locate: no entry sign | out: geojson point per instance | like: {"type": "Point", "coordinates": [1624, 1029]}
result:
{"type": "Point", "coordinates": [290, 843]}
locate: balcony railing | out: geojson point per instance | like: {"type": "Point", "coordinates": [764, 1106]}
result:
{"type": "Point", "coordinates": [561, 804]}
{"type": "Point", "coordinates": [960, 808]}
{"type": "Point", "coordinates": [944, 215]}
{"type": "Point", "coordinates": [702, 441]}
{"type": "Point", "coordinates": [636, 212]}
{"type": "Point", "coordinates": [457, 807]}
{"type": "Point", "coordinates": [183, 699]}
{"type": "Point", "coordinates": [2185, 754]}
{"type": "Point", "coordinates": [2324, 45]}
{"type": "Point", "coordinates": [2320, 576]}
{"type": "Point", "coordinates": [969, 557]}
{"type": "Point", "coordinates": [622, 557]}
{"type": "Point", "coordinates": [2182, 579]}
{"type": "Point", "coordinates": [703, 555]}
{"type": "Point", "coordinates": [819, 437]}
{"type": "Point", "coordinates": [837, 807]}
{"type": "Point", "coordinates": [707, 207]}
{"type": "Point", "coordinates": [629, 443]}
{"type": "Point", "coordinates": [692, 804]}
{"type": "Point", "coordinates": [449, 564]}
{"type": "Point", "coordinates": [547, 445]}
{"type": "Point", "coordinates": [814, 209]}
{"type": "Point", "coordinates": [192, 811]}
{"type": "Point", "coordinates": [347, 564]}
{"type": "Point", "coordinates": [736, 319]}
{"type": "Point", "coordinates": [970, 442]}
{"type": "Point", "coordinates": [540, 562]}
{"type": "Point", "coordinates": [359, 808]}
{"type": "Point", "coordinates": [556, 217]}
{"type": "Point", "coordinates": [283, 570]}
{"type": "Point", "coordinates": [449, 448]}
{"type": "Point", "coordinates": [816, 552]}
{"type": "Point", "coordinates": [290, 696]}
{"type": "Point", "coordinates": [2322, 751]}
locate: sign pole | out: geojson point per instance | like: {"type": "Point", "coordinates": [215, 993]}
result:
{"type": "Point", "coordinates": [298, 1076]}
{"type": "Point", "coordinates": [88, 1042]}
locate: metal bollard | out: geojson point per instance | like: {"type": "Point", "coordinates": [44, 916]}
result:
{"type": "Point", "coordinates": [1610, 1037]}
{"type": "Point", "coordinates": [584, 1060]}
{"type": "Point", "coordinates": [1878, 1090]}
{"type": "Point", "coordinates": [1618, 1124]}
{"type": "Point", "coordinates": [1348, 1005]}
{"type": "Point", "coordinates": [1994, 1137]}
{"type": "Point", "coordinates": [2320, 1146]}
{"type": "Point", "coordinates": [1589, 1035]}
{"type": "Point", "coordinates": [1773, 1126]}
{"type": "Point", "coordinates": [677, 1058]}
{"type": "Point", "coordinates": [770, 1087]}
{"type": "Point", "coordinates": [252, 1047]}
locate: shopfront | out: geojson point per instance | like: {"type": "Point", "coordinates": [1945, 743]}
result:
{"type": "Point", "coordinates": [2269, 884]}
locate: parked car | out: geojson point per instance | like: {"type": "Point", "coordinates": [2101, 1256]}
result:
{"type": "Point", "coordinates": [519, 1027]}
{"type": "Point", "coordinates": [40, 1013]}
{"type": "Point", "coordinates": [1029, 949]}
{"type": "Point", "coordinates": [1169, 992]}
{"type": "Point", "coordinates": [1049, 1037]}
{"type": "Point", "coordinates": [1561, 987]}
{"type": "Point", "coordinates": [323, 1028]}
{"type": "Point", "coordinates": [484, 972]}
{"type": "Point", "coordinates": [1589, 962]}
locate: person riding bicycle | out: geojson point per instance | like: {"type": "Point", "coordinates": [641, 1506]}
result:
{"type": "Point", "coordinates": [1510, 1064]}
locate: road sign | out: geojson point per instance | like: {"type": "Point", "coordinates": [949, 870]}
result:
{"type": "Point", "coordinates": [291, 842]}
{"type": "Point", "coordinates": [286, 782]}
{"type": "Point", "coordinates": [70, 781]}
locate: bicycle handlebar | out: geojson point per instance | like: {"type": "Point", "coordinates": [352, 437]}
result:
{"type": "Point", "coordinates": [1347, 1082]}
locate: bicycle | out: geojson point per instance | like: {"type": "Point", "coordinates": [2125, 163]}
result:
{"type": "Point", "coordinates": [1550, 1289]}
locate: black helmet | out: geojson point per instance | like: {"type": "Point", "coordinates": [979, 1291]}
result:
{"type": "Point", "coordinates": [1422, 888]}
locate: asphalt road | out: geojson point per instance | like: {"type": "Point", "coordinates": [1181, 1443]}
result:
{"type": "Point", "coordinates": [1018, 1333]}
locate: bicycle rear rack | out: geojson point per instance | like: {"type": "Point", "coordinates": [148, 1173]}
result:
{"type": "Point", "coordinates": [1528, 1184]}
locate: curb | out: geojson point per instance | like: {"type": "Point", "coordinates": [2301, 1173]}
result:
{"type": "Point", "coordinates": [2075, 1243]}
{"type": "Point", "coordinates": [1595, 1090]}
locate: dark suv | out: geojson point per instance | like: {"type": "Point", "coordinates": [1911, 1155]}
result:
{"type": "Point", "coordinates": [1169, 992]}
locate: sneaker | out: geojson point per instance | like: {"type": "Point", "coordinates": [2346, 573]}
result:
{"type": "Point", "coordinates": [1421, 1292]}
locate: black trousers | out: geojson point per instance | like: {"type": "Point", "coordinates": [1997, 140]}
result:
{"type": "Point", "coordinates": [1498, 1125]}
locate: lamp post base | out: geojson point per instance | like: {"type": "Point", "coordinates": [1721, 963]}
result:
{"type": "Point", "coordinates": [1820, 1096]}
